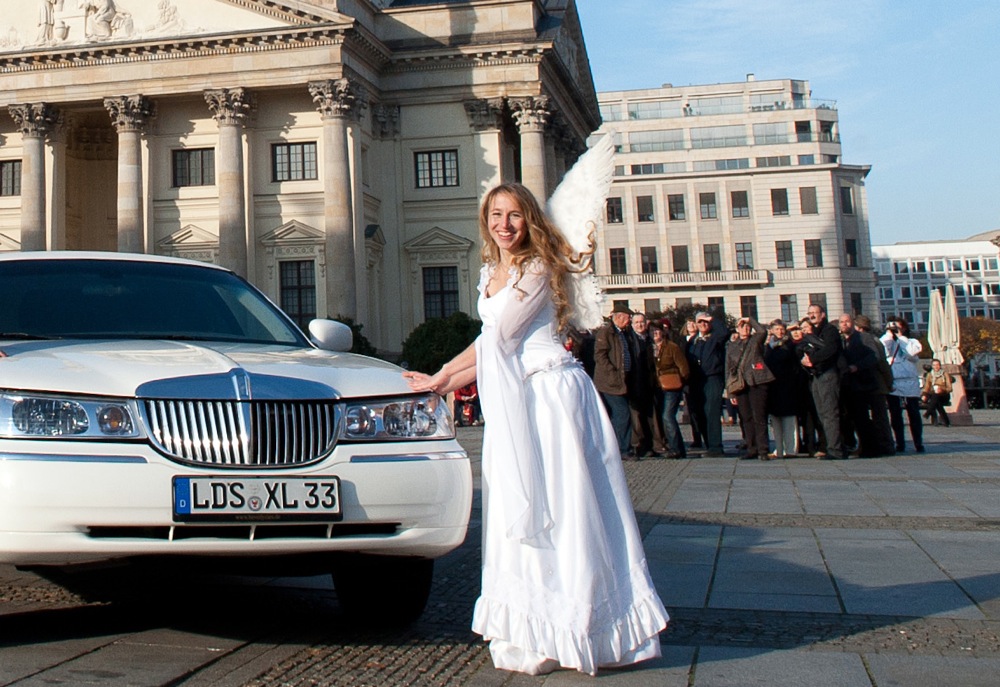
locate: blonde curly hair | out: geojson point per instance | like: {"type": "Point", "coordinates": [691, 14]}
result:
{"type": "Point", "coordinates": [543, 242]}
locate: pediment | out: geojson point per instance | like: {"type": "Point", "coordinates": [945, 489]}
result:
{"type": "Point", "coordinates": [437, 239]}
{"type": "Point", "coordinates": [45, 25]}
{"type": "Point", "coordinates": [9, 244]}
{"type": "Point", "coordinates": [292, 232]}
{"type": "Point", "coordinates": [188, 237]}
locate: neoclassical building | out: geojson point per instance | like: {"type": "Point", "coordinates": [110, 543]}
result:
{"type": "Point", "coordinates": [333, 152]}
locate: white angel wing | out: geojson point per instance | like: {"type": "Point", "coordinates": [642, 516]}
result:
{"type": "Point", "coordinates": [577, 209]}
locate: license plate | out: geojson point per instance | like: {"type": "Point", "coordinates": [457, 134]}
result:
{"type": "Point", "coordinates": [250, 499]}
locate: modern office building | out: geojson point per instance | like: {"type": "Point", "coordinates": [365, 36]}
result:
{"type": "Point", "coordinates": [734, 195]}
{"type": "Point", "coordinates": [332, 151]}
{"type": "Point", "coordinates": [909, 272]}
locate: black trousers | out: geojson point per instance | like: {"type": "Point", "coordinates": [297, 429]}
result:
{"type": "Point", "coordinates": [912, 405]}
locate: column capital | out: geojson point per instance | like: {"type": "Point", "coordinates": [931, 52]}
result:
{"type": "Point", "coordinates": [35, 120]}
{"type": "Point", "coordinates": [484, 113]}
{"type": "Point", "coordinates": [337, 98]}
{"type": "Point", "coordinates": [531, 113]}
{"type": "Point", "coordinates": [230, 105]}
{"type": "Point", "coordinates": [130, 112]}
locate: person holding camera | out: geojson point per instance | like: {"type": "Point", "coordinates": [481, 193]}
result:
{"type": "Point", "coordinates": [902, 353]}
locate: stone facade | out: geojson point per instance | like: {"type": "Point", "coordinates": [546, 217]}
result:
{"type": "Point", "coordinates": [909, 272]}
{"type": "Point", "coordinates": [349, 137]}
{"type": "Point", "coordinates": [734, 195]}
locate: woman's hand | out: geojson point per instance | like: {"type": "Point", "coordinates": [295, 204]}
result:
{"type": "Point", "coordinates": [420, 381]}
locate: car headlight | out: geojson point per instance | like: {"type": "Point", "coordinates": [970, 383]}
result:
{"type": "Point", "coordinates": [419, 417]}
{"type": "Point", "coordinates": [58, 417]}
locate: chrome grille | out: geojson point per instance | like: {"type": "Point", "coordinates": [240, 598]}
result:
{"type": "Point", "coordinates": [242, 433]}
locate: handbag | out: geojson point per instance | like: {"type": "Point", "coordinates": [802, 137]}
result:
{"type": "Point", "coordinates": [738, 383]}
{"type": "Point", "coordinates": [671, 381]}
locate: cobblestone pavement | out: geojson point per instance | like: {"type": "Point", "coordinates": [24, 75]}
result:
{"type": "Point", "coordinates": [862, 572]}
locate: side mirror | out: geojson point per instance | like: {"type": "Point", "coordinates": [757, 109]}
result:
{"type": "Point", "coordinates": [331, 335]}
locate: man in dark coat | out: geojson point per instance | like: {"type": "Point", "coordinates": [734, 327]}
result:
{"type": "Point", "coordinates": [706, 354]}
{"type": "Point", "coordinates": [858, 382]}
{"type": "Point", "coordinates": [885, 444]}
{"type": "Point", "coordinates": [614, 365]}
{"type": "Point", "coordinates": [824, 362]}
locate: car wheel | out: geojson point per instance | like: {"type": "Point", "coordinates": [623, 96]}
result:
{"type": "Point", "coordinates": [383, 590]}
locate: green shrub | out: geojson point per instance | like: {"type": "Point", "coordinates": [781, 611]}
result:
{"type": "Point", "coordinates": [437, 341]}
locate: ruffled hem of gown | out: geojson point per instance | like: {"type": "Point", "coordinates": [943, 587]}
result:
{"type": "Point", "coordinates": [629, 640]}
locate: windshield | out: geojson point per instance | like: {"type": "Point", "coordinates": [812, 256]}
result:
{"type": "Point", "coordinates": [121, 299]}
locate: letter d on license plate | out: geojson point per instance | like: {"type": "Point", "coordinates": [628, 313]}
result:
{"type": "Point", "coordinates": [250, 499]}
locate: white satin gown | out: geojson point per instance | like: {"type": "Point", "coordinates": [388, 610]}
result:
{"type": "Point", "coordinates": [565, 581]}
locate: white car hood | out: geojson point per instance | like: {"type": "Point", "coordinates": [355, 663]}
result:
{"type": "Point", "coordinates": [169, 369]}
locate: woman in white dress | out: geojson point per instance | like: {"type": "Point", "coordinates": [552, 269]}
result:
{"type": "Point", "coordinates": [565, 581]}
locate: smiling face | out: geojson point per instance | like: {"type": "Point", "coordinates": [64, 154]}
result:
{"type": "Point", "coordinates": [506, 223]}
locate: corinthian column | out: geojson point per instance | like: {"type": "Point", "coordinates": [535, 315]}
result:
{"type": "Point", "coordinates": [532, 117]}
{"type": "Point", "coordinates": [230, 107]}
{"type": "Point", "coordinates": [336, 102]}
{"type": "Point", "coordinates": [35, 121]}
{"type": "Point", "coordinates": [129, 115]}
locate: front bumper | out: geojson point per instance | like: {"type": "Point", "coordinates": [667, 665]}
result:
{"type": "Point", "coordinates": [66, 503]}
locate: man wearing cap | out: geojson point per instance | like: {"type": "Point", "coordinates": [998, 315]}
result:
{"type": "Point", "coordinates": [706, 354]}
{"type": "Point", "coordinates": [614, 361]}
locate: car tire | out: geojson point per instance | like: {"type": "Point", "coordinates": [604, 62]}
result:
{"type": "Point", "coordinates": [383, 590]}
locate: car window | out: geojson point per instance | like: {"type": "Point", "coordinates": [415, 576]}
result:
{"type": "Point", "coordinates": [133, 299]}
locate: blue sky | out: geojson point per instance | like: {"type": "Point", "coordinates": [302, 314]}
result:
{"type": "Point", "coordinates": [915, 83]}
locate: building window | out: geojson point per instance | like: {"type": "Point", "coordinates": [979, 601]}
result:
{"type": "Point", "coordinates": [644, 206]}
{"type": "Point", "coordinates": [718, 136]}
{"type": "Point", "coordinates": [716, 304]}
{"type": "Point", "coordinates": [779, 201]}
{"type": "Point", "coordinates": [10, 178]}
{"type": "Point", "coordinates": [675, 203]}
{"type": "Point", "coordinates": [293, 161]}
{"type": "Point", "coordinates": [707, 203]}
{"type": "Point", "coordinates": [647, 254]}
{"type": "Point", "coordinates": [814, 253]}
{"type": "Point", "coordinates": [440, 292]}
{"type": "Point", "coordinates": [851, 252]}
{"type": "Point", "coordinates": [886, 293]}
{"type": "Point", "coordinates": [789, 307]}
{"type": "Point", "coordinates": [651, 305]}
{"type": "Point", "coordinates": [774, 161]}
{"type": "Point", "coordinates": [748, 306]}
{"type": "Point", "coordinates": [901, 267]}
{"type": "Point", "coordinates": [905, 292]}
{"type": "Point", "coordinates": [807, 200]}
{"type": "Point", "coordinates": [807, 159]}
{"type": "Point", "coordinates": [856, 305]}
{"type": "Point", "coordinates": [617, 259]}
{"type": "Point", "coordinates": [298, 290]}
{"type": "Point", "coordinates": [194, 167]}
{"type": "Point", "coordinates": [784, 255]}
{"type": "Point", "coordinates": [615, 303]}
{"type": "Point", "coordinates": [744, 256]}
{"type": "Point", "coordinates": [972, 264]}
{"type": "Point", "coordinates": [614, 211]}
{"type": "Point", "coordinates": [679, 257]}
{"type": "Point", "coordinates": [818, 299]}
{"type": "Point", "coordinates": [436, 168]}
{"type": "Point", "coordinates": [713, 257]}
{"type": "Point", "coordinates": [741, 203]}
{"type": "Point", "coordinates": [846, 200]}
{"type": "Point", "coordinates": [920, 266]}
{"type": "Point", "coordinates": [721, 165]}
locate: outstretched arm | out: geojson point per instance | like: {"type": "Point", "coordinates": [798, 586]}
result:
{"type": "Point", "coordinates": [454, 374]}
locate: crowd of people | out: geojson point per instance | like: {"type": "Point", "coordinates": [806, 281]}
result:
{"type": "Point", "coordinates": [816, 387]}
